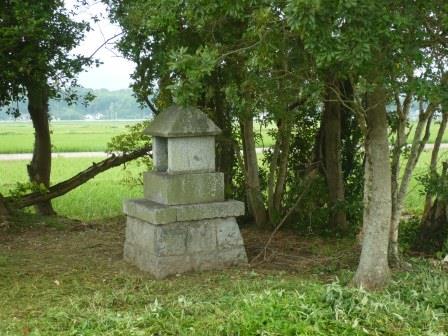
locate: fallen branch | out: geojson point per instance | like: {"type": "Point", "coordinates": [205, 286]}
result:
{"type": "Point", "coordinates": [68, 185]}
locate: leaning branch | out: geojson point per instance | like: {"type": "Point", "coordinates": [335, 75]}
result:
{"type": "Point", "coordinates": [68, 185]}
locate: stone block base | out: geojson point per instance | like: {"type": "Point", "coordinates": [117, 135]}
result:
{"type": "Point", "coordinates": [178, 247]}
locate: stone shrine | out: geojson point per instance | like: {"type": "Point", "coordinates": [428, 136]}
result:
{"type": "Point", "coordinates": [183, 223]}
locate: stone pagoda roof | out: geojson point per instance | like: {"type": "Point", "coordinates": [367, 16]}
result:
{"type": "Point", "coordinates": [177, 121]}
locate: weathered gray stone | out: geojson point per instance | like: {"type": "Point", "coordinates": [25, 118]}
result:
{"type": "Point", "coordinates": [138, 256]}
{"type": "Point", "coordinates": [179, 247]}
{"type": "Point", "coordinates": [177, 121]}
{"type": "Point", "coordinates": [172, 189]}
{"type": "Point", "coordinates": [233, 257]}
{"type": "Point", "coordinates": [191, 154]}
{"type": "Point", "coordinates": [201, 236]}
{"type": "Point", "coordinates": [140, 234]}
{"type": "Point", "coordinates": [129, 252]}
{"type": "Point", "coordinates": [157, 213]}
{"type": "Point", "coordinates": [171, 239]}
{"type": "Point", "coordinates": [228, 233]}
{"type": "Point", "coordinates": [160, 154]}
{"type": "Point", "coordinates": [205, 261]}
{"type": "Point", "coordinates": [150, 211]}
{"type": "Point", "coordinates": [161, 267]}
{"type": "Point", "coordinates": [223, 209]}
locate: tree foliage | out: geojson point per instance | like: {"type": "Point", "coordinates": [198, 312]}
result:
{"type": "Point", "coordinates": [36, 43]}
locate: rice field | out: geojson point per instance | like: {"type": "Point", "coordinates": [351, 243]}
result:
{"type": "Point", "coordinates": [75, 136]}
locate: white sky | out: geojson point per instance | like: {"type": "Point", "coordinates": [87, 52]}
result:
{"type": "Point", "coordinates": [114, 73]}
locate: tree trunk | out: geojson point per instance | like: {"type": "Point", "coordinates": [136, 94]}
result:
{"type": "Point", "coordinates": [254, 195]}
{"type": "Point", "coordinates": [434, 226]}
{"type": "Point", "coordinates": [435, 153]}
{"type": "Point", "coordinates": [351, 134]}
{"type": "Point", "coordinates": [39, 169]}
{"type": "Point", "coordinates": [282, 173]}
{"type": "Point", "coordinates": [225, 151]}
{"type": "Point", "coordinates": [373, 269]}
{"type": "Point", "coordinates": [273, 169]}
{"type": "Point", "coordinates": [331, 121]}
{"type": "Point", "coordinates": [278, 169]}
{"type": "Point", "coordinates": [401, 140]}
{"type": "Point", "coordinates": [418, 144]}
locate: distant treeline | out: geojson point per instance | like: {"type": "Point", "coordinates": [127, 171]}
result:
{"type": "Point", "coordinates": [107, 105]}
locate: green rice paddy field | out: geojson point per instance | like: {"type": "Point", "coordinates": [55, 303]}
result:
{"type": "Point", "coordinates": [92, 136]}
{"type": "Point", "coordinates": [76, 136]}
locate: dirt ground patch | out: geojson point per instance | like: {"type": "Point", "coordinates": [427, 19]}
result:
{"type": "Point", "coordinates": [40, 246]}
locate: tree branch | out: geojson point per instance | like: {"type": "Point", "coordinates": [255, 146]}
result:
{"type": "Point", "coordinates": [68, 185]}
{"type": "Point", "coordinates": [104, 43]}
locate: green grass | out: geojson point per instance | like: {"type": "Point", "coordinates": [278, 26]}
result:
{"type": "Point", "coordinates": [414, 202]}
{"type": "Point", "coordinates": [99, 198]}
{"type": "Point", "coordinates": [73, 281]}
{"type": "Point", "coordinates": [75, 136]}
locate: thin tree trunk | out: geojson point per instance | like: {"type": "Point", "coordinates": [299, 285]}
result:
{"type": "Point", "coordinates": [254, 195]}
{"type": "Point", "coordinates": [435, 155]}
{"type": "Point", "coordinates": [436, 147]}
{"type": "Point", "coordinates": [39, 169]}
{"type": "Point", "coordinates": [351, 133]}
{"type": "Point", "coordinates": [418, 144]}
{"type": "Point", "coordinates": [225, 153]}
{"type": "Point", "coordinates": [282, 167]}
{"type": "Point", "coordinates": [373, 269]}
{"type": "Point", "coordinates": [434, 224]}
{"type": "Point", "coordinates": [331, 120]}
{"type": "Point", "coordinates": [401, 140]}
{"type": "Point", "coordinates": [273, 169]}
{"type": "Point", "coordinates": [278, 170]}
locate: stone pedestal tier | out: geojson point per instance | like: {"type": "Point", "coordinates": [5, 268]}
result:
{"type": "Point", "coordinates": [184, 188]}
{"type": "Point", "coordinates": [170, 239]}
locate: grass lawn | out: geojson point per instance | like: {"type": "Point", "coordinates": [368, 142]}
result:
{"type": "Point", "coordinates": [73, 281]}
{"type": "Point", "coordinates": [415, 199]}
